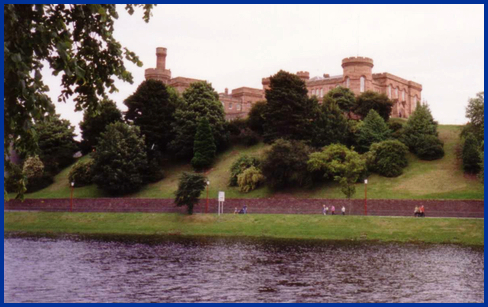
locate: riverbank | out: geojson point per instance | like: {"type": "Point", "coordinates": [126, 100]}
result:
{"type": "Point", "coordinates": [350, 228]}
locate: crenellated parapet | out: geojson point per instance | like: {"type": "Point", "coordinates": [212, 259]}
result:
{"type": "Point", "coordinates": [357, 61]}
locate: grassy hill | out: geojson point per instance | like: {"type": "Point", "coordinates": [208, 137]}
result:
{"type": "Point", "coordinates": [440, 179]}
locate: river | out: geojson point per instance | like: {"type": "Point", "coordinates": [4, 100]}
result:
{"type": "Point", "coordinates": [177, 269]}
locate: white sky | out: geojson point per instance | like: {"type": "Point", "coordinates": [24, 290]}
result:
{"type": "Point", "coordinates": [439, 46]}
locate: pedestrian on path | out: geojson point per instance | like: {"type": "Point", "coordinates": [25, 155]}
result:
{"type": "Point", "coordinates": [324, 210]}
{"type": "Point", "coordinates": [416, 211]}
{"type": "Point", "coordinates": [422, 211]}
{"type": "Point", "coordinates": [332, 210]}
{"type": "Point", "coordinates": [343, 210]}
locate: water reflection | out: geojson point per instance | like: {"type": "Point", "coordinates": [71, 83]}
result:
{"type": "Point", "coordinates": [226, 270]}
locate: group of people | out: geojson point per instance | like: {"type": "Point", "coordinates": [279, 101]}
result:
{"type": "Point", "coordinates": [242, 211]}
{"type": "Point", "coordinates": [419, 212]}
{"type": "Point", "coordinates": [325, 210]}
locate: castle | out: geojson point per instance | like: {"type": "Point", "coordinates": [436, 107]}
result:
{"type": "Point", "coordinates": [357, 75]}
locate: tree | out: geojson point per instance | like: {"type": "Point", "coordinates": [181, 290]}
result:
{"type": "Point", "coordinates": [387, 158]}
{"type": "Point", "coordinates": [250, 179]}
{"type": "Point", "coordinates": [120, 161]}
{"type": "Point", "coordinates": [204, 148]}
{"type": "Point", "coordinates": [370, 100]}
{"type": "Point", "coordinates": [57, 146]}
{"type": "Point", "coordinates": [429, 147]}
{"type": "Point", "coordinates": [339, 163]}
{"type": "Point", "coordinates": [331, 125]}
{"type": "Point", "coordinates": [81, 173]}
{"type": "Point", "coordinates": [289, 112]}
{"type": "Point", "coordinates": [343, 97]}
{"type": "Point", "coordinates": [481, 175]}
{"type": "Point", "coordinates": [74, 40]}
{"type": "Point", "coordinates": [95, 121]}
{"type": "Point", "coordinates": [37, 177]}
{"type": "Point", "coordinates": [373, 130]}
{"type": "Point", "coordinates": [200, 100]}
{"type": "Point", "coordinates": [285, 164]}
{"type": "Point", "coordinates": [189, 189]}
{"type": "Point", "coordinates": [255, 119]}
{"type": "Point", "coordinates": [471, 155]}
{"type": "Point", "coordinates": [152, 109]}
{"type": "Point", "coordinates": [420, 123]}
{"type": "Point", "coordinates": [239, 166]}
{"type": "Point", "coordinates": [475, 112]}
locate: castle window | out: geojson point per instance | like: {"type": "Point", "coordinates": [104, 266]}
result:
{"type": "Point", "coordinates": [396, 92]}
{"type": "Point", "coordinates": [361, 84]}
{"type": "Point", "coordinates": [238, 107]}
{"type": "Point", "coordinates": [347, 83]}
{"type": "Point", "coordinates": [389, 91]}
{"type": "Point", "coordinates": [322, 92]}
{"type": "Point", "coordinates": [230, 105]}
{"type": "Point", "coordinates": [415, 101]}
{"type": "Point", "coordinates": [403, 95]}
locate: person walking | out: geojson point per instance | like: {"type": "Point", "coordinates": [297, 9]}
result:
{"type": "Point", "coordinates": [422, 211]}
{"type": "Point", "coordinates": [343, 210]}
{"type": "Point", "coordinates": [236, 211]}
{"type": "Point", "coordinates": [332, 210]}
{"type": "Point", "coordinates": [416, 211]}
{"type": "Point", "coordinates": [324, 210]}
{"type": "Point", "coordinates": [245, 209]}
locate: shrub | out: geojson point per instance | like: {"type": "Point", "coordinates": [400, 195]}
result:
{"type": "Point", "coordinates": [189, 189]}
{"type": "Point", "coordinates": [249, 137]}
{"type": "Point", "coordinates": [236, 126]}
{"type": "Point", "coordinates": [420, 123]}
{"type": "Point", "coordinates": [239, 166]}
{"type": "Point", "coordinates": [471, 155]}
{"type": "Point", "coordinates": [255, 119]}
{"type": "Point", "coordinates": [429, 147]}
{"type": "Point", "coordinates": [81, 173]}
{"type": "Point", "coordinates": [388, 158]}
{"type": "Point", "coordinates": [14, 177]}
{"type": "Point", "coordinates": [250, 179]}
{"type": "Point", "coordinates": [285, 164]}
{"type": "Point", "coordinates": [481, 175]}
{"type": "Point", "coordinates": [37, 178]}
{"type": "Point", "coordinates": [373, 130]}
{"type": "Point", "coordinates": [204, 147]}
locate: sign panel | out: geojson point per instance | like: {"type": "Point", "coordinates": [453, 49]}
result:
{"type": "Point", "coordinates": [221, 196]}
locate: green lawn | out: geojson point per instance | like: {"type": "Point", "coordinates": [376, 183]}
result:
{"type": "Point", "coordinates": [440, 179]}
{"type": "Point", "coordinates": [385, 229]}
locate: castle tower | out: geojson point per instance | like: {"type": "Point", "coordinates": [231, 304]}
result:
{"type": "Point", "coordinates": [304, 75]}
{"type": "Point", "coordinates": [160, 72]}
{"type": "Point", "coordinates": [358, 74]}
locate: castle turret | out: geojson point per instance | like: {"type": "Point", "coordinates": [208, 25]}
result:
{"type": "Point", "coordinates": [160, 72]}
{"type": "Point", "coordinates": [265, 82]}
{"type": "Point", "coordinates": [359, 71]}
{"type": "Point", "coordinates": [161, 53]}
{"type": "Point", "coordinates": [304, 75]}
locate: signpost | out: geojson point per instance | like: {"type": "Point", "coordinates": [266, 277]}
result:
{"type": "Point", "coordinates": [365, 196]}
{"type": "Point", "coordinates": [221, 202]}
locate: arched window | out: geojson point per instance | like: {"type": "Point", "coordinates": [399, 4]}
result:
{"type": "Point", "coordinates": [348, 81]}
{"type": "Point", "coordinates": [389, 91]}
{"type": "Point", "coordinates": [238, 107]}
{"type": "Point", "coordinates": [403, 95]}
{"type": "Point", "coordinates": [230, 105]}
{"type": "Point", "coordinates": [396, 92]}
{"type": "Point", "coordinates": [322, 92]}
{"type": "Point", "coordinates": [361, 84]}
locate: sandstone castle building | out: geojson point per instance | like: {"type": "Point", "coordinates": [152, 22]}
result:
{"type": "Point", "coordinates": [357, 75]}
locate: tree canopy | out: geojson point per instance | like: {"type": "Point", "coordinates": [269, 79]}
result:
{"type": "Point", "coordinates": [190, 187]}
{"type": "Point", "coordinates": [204, 148]}
{"type": "Point", "coordinates": [343, 97]}
{"type": "Point", "coordinates": [372, 130]}
{"type": "Point", "coordinates": [421, 122]}
{"type": "Point", "coordinates": [331, 125]}
{"type": "Point", "coordinates": [475, 112]}
{"type": "Point", "coordinates": [370, 100]}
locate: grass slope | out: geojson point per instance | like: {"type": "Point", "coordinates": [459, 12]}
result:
{"type": "Point", "coordinates": [393, 229]}
{"type": "Point", "coordinates": [440, 179]}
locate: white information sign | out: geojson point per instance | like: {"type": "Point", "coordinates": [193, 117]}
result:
{"type": "Point", "coordinates": [221, 196]}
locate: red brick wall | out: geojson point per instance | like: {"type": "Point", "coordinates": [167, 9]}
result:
{"type": "Point", "coordinates": [385, 207]}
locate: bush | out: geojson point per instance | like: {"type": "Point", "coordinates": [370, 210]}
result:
{"type": "Point", "coordinates": [250, 179]}
{"type": "Point", "coordinates": [373, 130]}
{"type": "Point", "coordinates": [81, 173]}
{"type": "Point", "coordinates": [239, 166]}
{"type": "Point", "coordinates": [37, 179]}
{"type": "Point", "coordinates": [429, 147]}
{"type": "Point", "coordinates": [471, 155]}
{"type": "Point", "coordinates": [189, 189]}
{"type": "Point", "coordinates": [481, 175]}
{"type": "Point", "coordinates": [420, 123]}
{"type": "Point", "coordinates": [255, 119]}
{"type": "Point", "coordinates": [249, 137]}
{"type": "Point", "coordinates": [388, 158]}
{"type": "Point", "coordinates": [204, 146]}
{"type": "Point", "coordinates": [285, 164]}
{"type": "Point", "coordinates": [14, 177]}
{"type": "Point", "coordinates": [236, 126]}
{"type": "Point", "coordinates": [370, 100]}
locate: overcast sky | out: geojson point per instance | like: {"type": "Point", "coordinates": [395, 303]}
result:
{"type": "Point", "coordinates": [438, 46]}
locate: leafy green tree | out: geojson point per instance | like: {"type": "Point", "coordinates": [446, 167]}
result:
{"type": "Point", "coordinates": [339, 163]}
{"type": "Point", "coordinates": [57, 146]}
{"type": "Point", "coordinates": [120, 161]}
{"type": "Point", "coordinates": [190, 187]}
{"type": "Point", "coordinates": [475, 112]}
{"type": "Point", "coordinates": [75, 40]}
{"type": "Point", "coordinates": [370, 100]}
{"type": "Point", "coordinates": [343, 97]}
{"type": "Point", "coordinates": [250, 179]}
{"type": "Point", "coordinates": [481, 175]}
{"type": "Point", "coordinates": [289, 111]}
{"type": "Point", "coordinates": [429, 147]}
{"type": "Point", "coordinates": [152, 110]}
{"type": "Point", "coordinates": [200, 100]}
{"type": "Point", "coordinates": [81, 173]}
{"type": "Point", "coordinates": [14, 179]}
{"type": "Point", "coordinates": [37, 177]}
{"type": "Point", "coordinates": [373, 130]}
{"type": "Point", "coordinates": [95, 121]}
{"type": "Point", "coordinates": [239, 166]}
{"type": "Point", "coordinates": [419, 124]}
{"type": "Point", "coordinates": [255, 119]}
{"type": "Point", "coordinates": [285, 164]}
{"type": "Point", "coordinates": [388, 158]}
{"type": "Point", "coordinates": [331, 125]}
{"type": "Point", "coordinates": [204, 148]}
{"type": "Point", "coordinates": [471, 155]}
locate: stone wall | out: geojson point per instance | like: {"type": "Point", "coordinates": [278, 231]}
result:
{"type": "Point", "coordinates": [383, 207]}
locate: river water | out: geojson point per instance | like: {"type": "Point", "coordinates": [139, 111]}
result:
{"type": "Point", "coordinates": [244, 270]}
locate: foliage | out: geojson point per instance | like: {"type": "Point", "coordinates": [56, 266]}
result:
{"type": "Point", "coordinates": [75, 40]}
{"type": "Point", "coordinates": [250, 179]}
{"type": "Point", "coordinates": [81, 173]}
{"type": "Point", "coordinates": [285, 164]}
{"type": "Point", "coordinates": [373, 130]}
{"type": "Point", "coordinates": [14, 180]}
{"type": "Point", "coordinates": [151, 108]}
{"type": "Point", "coordinates": [475, 112]}
{"type": "Point", "coordinates": [370, 100]}
{"type": "Point", "coordinates": [339, 163]}
{"type": "Point", "coordinates": [420, 122]}
{"type": "Point", "coordinates": [57, 146]}
{"type": "Point", "coordinates": [331, 126]}
{"type": "Point", "coordinates": [430, 147]}
{"type": "Point", "coordinates": [241, 133]}
{"type": "Point", "coordinates": [95, 121]}
{"type": "Point", "coordinates": [289, 112]}
{"type": "Point", "coordinates": [343, 97]}
{"type": "Point", "coordinates": [200, 100]}
{"type": "Point", "coordinates": [387, 158]}
{"type": "Point", "coordinates": [255, 119]}
{"type": "Point", "coordinates": [481, 175]}
{"type": "Point", "coordinates": [235, 126]}
{"type": "Point", "coordinates": [471, 155]}
{"type": "Point", "coordinates": [204, 147]}
{"type": "Point", "coordinates": [239, 166]}
{"type": "Point", "coordinates": [396, 129]}
{"type": "Point", "coordinates": [120, 161]}
{"type": "Point", "coordinates": [248, 137]}
{"type": "Point", "coordinates": [34, 171]}
{"type": "Point", "coordinates": [190, 187]}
